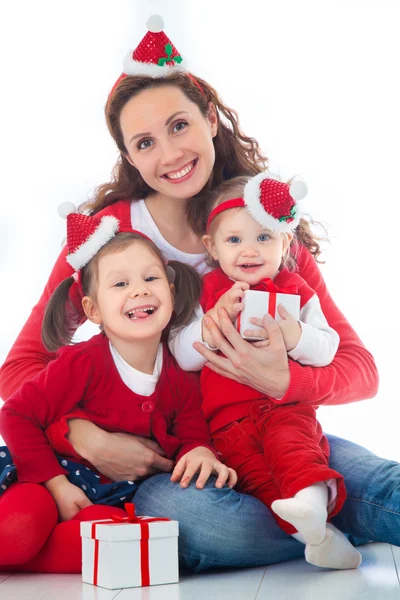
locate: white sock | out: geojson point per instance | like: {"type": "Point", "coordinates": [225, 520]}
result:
{"type": "Point", "coordinates": [306, 511]}
{"type": "Point", "coordinates": [334, 552]}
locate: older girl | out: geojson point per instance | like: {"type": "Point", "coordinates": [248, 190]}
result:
{"type": "Point", "coordinates": [123, 379]}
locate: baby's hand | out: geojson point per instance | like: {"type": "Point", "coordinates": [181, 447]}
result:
{"type": "Point", "coordinates": [291, 329]}
{"type": "Point", "coordinates": [232, 300]}
{"type": "Point", "coordinates": [69, 498]}
{"type": "Point", "coordinates": [203, 460]}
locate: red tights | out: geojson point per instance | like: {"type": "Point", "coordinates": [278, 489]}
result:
{"type": "Point", "coordinates": [32, 540]}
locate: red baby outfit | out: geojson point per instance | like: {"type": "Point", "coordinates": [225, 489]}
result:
{"type": "Point", "coordinates": [277, 450]}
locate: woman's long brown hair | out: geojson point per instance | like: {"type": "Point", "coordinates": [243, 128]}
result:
{"type": "Point", "coordinates": [235, 153]}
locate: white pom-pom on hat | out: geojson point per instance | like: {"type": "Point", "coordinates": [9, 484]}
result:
{"type": "Point", "coordinates": [298, 190]}
{"type": "Point", "coordinates": [155, 23]}
{"type": "Point", "coordinates": [65, 209]}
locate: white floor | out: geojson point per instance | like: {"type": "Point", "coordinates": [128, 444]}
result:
{"type": "Point", "coordinates": [376, 579]}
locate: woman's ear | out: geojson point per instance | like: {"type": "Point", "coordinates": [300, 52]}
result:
{"type": "Point", "coordinates": [128, 158]}
{"type": "Point", "coordinates": [213, 119]}
{"type": "Point", "coordinates": [90, 310]}
{"type": "Point", "coordinates": [209, 244]}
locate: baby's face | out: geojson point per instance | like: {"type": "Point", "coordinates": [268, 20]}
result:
{"type": "Point", "coordinates": [245, 250]}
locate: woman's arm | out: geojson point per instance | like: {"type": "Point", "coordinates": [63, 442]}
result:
{"type": "Point", "coordinates": [351, 376]}
{"type": "Point", "coordinates": [118, 456]}
{"type": "Point", "coordinates": [28, 356]}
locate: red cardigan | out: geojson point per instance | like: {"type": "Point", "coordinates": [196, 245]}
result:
{"type": "Point", "coordinates": [351, 376]}
{"type": "Point", "coordinates": [83, 381]}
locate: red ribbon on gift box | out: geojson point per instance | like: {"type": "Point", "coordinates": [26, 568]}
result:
{"type": "Point", "coordinates": [144, 540]}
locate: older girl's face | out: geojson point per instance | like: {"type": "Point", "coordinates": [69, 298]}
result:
{"type": "Point", "coordinates": [169, 141]}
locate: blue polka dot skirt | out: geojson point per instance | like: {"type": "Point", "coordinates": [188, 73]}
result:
{"type": "Point", "coordinates": [112, 494]}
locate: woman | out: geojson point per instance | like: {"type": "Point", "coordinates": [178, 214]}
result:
{"type": "Point", "coordinates": [177, 139]}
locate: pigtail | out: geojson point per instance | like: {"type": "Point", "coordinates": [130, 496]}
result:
{"type": "Point", "coordinates": [61, 318]}
{"type": "Point", "coordinates": [187, 284]}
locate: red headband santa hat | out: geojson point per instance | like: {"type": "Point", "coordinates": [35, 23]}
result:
{"type": "Point", "coordinates": [270, 202]}
{"type": "Point", "coordinates": [155, 55]}
{"type": "Point", "coordinates": [86, 235]}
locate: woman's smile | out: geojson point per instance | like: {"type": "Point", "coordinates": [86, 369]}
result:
{"type": "Point", "coordinates": [183, 174]}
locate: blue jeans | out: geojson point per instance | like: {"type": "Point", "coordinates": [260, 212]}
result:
{"type": "Point", "coordinates": [222, 528]}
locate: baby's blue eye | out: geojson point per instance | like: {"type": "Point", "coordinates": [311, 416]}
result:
{"type": "Point", "coordinates": [151, 278]}
{"type": "Point", "coordinates": [234, 239]}
{"type": "Point", "coordinates": [120, 284]}
{"type": "Point", "coordinates": [264, 237]}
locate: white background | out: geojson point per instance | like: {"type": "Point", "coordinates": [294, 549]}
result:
{"type": "Point", "coordinates": [315, 82]}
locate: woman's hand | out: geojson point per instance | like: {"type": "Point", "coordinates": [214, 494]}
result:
{"type": "Point", "coordinates": [69, 498]}
{"type": "Point", "coordinates": [119, 456]}
{"type": "Point", "coordinates": [263, 367]}
{"type": "Point", "coordinates": [203, 460]}
{"type": "Point", "coordinates": [290, 328]}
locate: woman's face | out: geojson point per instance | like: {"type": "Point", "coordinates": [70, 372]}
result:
{"type": "Point", "coordinates": [169, 141]}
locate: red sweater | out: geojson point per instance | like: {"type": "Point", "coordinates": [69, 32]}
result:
{"type": "Point", "coordinates": [83, 381]}
{"type": "Point", "coordinates": [351, 376]}
{"type": "Point", "coordinates": [226, 400]}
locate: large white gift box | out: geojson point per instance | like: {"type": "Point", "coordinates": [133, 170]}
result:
{"type": "Point", "coordinates": [133, 553]}
{"type": "Point", "coordinates": [258, 303]}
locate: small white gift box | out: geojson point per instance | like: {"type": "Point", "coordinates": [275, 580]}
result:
{"type": "Point", "coordinates": [130, 554]}
{"type": "Point", "coordinates": [258, 303]}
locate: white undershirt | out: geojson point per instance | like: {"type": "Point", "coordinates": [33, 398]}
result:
{"type": "Point", "coordinates": [142, 220]}
{"type": "Point", "coordinates": [143, 384]}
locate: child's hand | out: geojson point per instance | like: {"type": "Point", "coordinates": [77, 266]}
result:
{"type": "Point", "coordinates": [203, 460]}
{"type": "Point", "coordinates": [290, 328]}
{"type": "Point", "coordinates": [69, 498]}
{"type": "Point", "coordinates": [232, 300]}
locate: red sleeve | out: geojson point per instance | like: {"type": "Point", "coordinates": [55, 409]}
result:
{"type": "Point", "coordinates": [352, 375]}
{"type": "Point", "coordinates": [28, 356]}
{"type": "Point", "coordinates": [55, 391]}
{"type": "Point", "coordinates": [190, 426]}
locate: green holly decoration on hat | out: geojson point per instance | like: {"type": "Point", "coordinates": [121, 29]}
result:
{"type": "Point", "coordinates": [170, 58]}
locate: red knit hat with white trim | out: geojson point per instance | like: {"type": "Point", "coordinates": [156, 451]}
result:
{"type": "Point", "coordinates": [155, 55]}
{"type": "Point", "coordinates": [274, 204]}
{"type": "Point", "coordinates": [85, 234]}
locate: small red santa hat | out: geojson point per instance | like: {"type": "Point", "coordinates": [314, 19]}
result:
{"type": "Point", "coordinates": [155, 55]}
{"type": "Point", "coordinates": [273, 203]}
{"type": "Point", "coordinates": [85, 234]}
